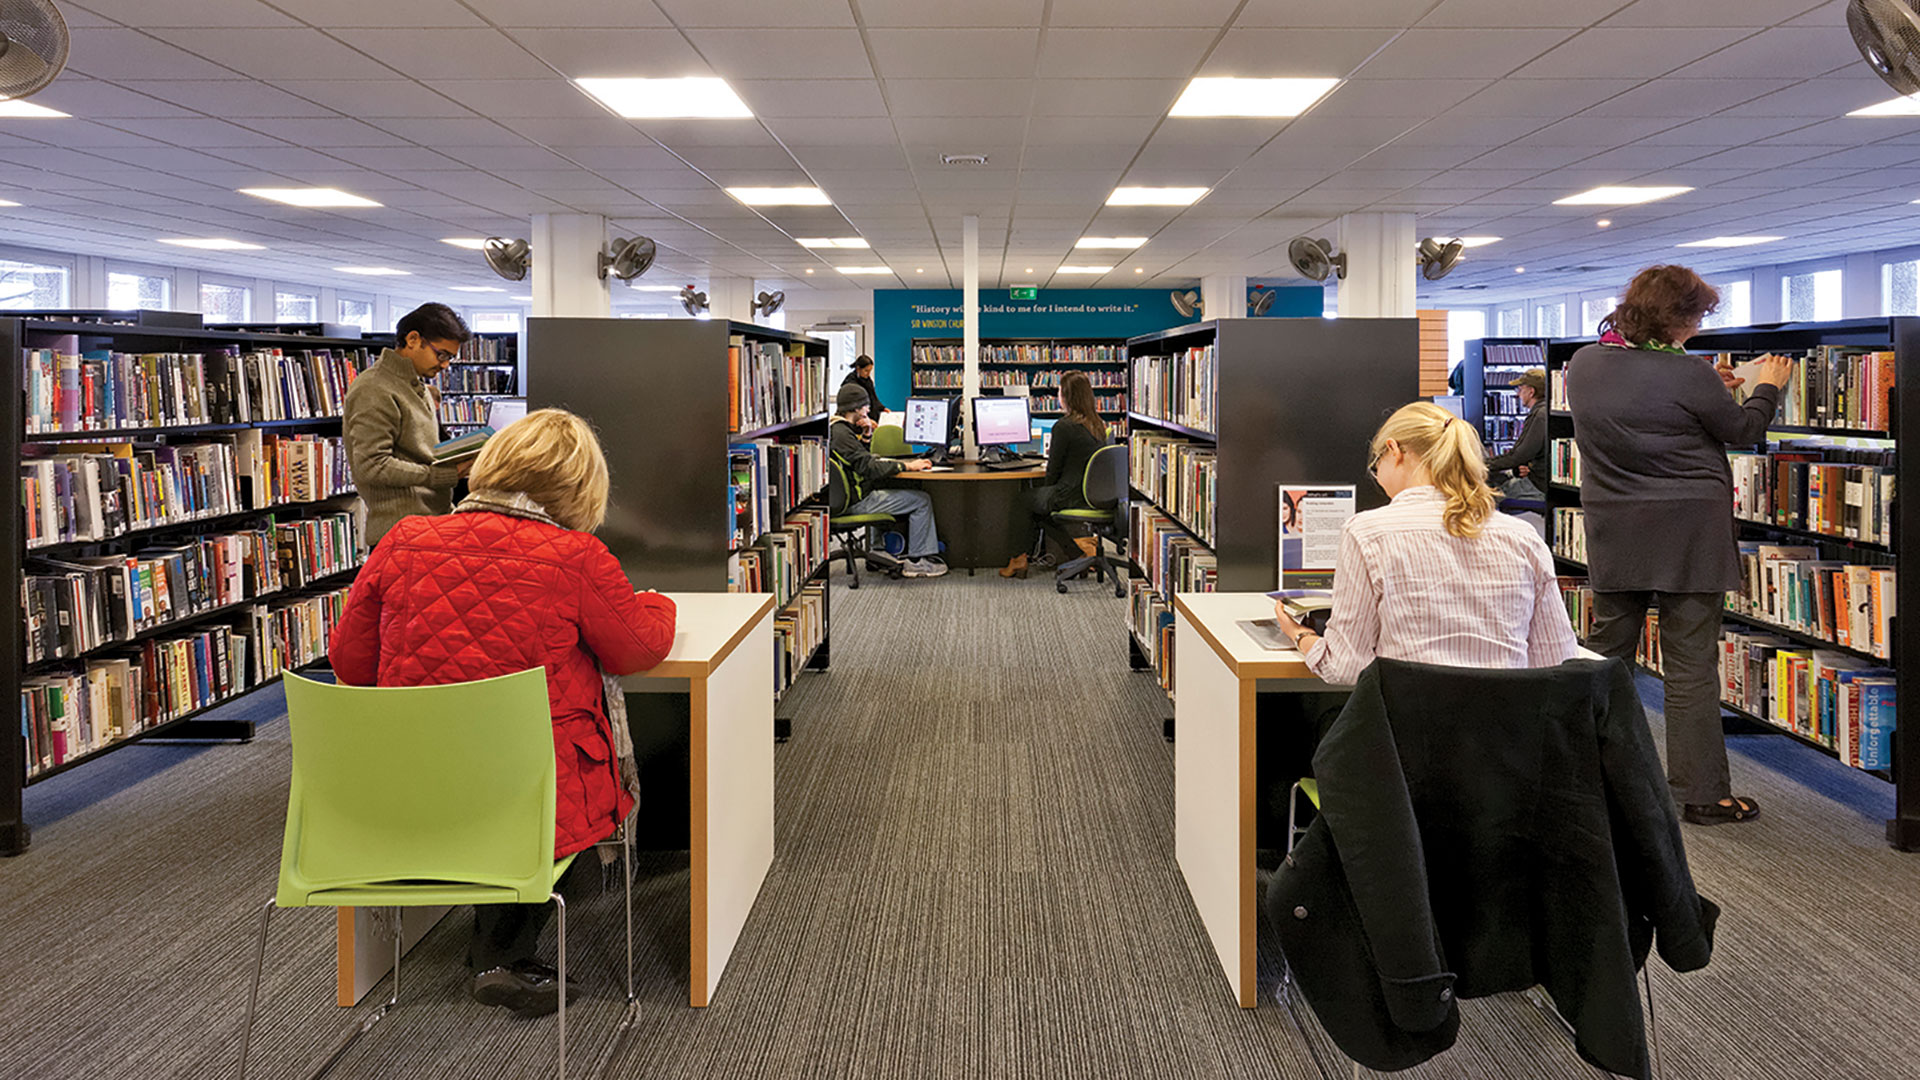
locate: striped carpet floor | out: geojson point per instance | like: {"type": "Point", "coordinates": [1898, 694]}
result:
{"type": "Point", "coordinates": [974, 878]}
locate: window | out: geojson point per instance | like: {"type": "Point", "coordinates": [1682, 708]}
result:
{"type": "Point", "coordinates": [1512, 321]}
{"type": "Point", "coordinates": [225, 303]}
{"type": "Point", "coordinates": [1462, 327]}
{"type": "Point", "coordinates": [134, 290]}
{"type": "Point", "coordinates": [494, 322]}
{"type": "Point", "coordinates": [357, 313]}
{"type": "Point", "coordinates": [1593, 309]}
{"type": "Point", "coordinates": [1810, 297]}
{"type": "Point", "coordinates": [1736, 305]}
{"type": "Point", "coordinates": [295, 307]}
{"type": "Point", "coordinates": [1549, 320]}
{"type": "Point", "coordinates": [29, 286]}
{"type": "Point", "coordinates": [1900, 287]}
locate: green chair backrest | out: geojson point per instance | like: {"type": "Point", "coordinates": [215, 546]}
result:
{"type": "Point", "coordinates": [890, 440]}
{"type": "Point", "coordinates": [1104, 484]}
{"type": "Point", "coordinates": [843, 486]}
{"type": "Point", "coordinates": [447, 783]}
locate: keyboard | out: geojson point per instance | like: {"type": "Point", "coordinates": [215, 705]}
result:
{"type": "Point", "coordinates": [1011, 465]}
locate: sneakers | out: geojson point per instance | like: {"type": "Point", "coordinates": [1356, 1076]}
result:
{"type": "Point", "coordinates": [924, 568]}
{"type": "Point", "coordinates": [528, 987]}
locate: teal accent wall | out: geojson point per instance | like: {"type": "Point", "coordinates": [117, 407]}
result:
{"type": "Point", "coordinates": [902, 315]}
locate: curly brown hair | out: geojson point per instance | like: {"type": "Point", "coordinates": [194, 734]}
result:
{"type": "Point", "coordinates": [1661, 301]}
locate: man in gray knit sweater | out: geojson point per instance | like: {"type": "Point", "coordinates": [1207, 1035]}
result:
{"type": "Point", "coordinates": [392, 422]}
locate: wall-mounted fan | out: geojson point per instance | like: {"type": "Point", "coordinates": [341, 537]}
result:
{"type": "Point", "coordinates": [33, 46]}
{"type": "Point", "coordinates": [508, 258]}
{"type": "Point", "coordinates": [1314, 259]}
{"type": "Point", "coordinates": [627, 259]}
{"type": "Point", "coordinates": [1186, 303]}
{"type": "Point", "coordinates": [694, 302]}
{"type": "Point", "coordinates": [1888, 35]}
{"type": "Point", "coordinates": [769, 302]}
{"type": "Point", "coordinates": [1260, 300]}
{"type": "Point", "coordinates": [1436, 259]}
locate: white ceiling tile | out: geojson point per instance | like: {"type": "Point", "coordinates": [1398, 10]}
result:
{"type": "Point", "coordinates": [1833, 96]}
{"type": "Point", "coordinates": [599, 14]}
{"type": "Point", "coordinates": [959, 97]}
{"type": "Point", "coordinates": [452, 134]}
{"type": "Point", "coordinates": [784, 53]}
{"type": "Point", "coordinates": [389, 13]}
{"type": "Point", "coordinates": [1293, 53]}
{"type": "Point", "coordinates": [881, 158]}
{"type": "Point", "coordinates": [1802, 52]}
{"type": "Point", "coordinates": [1093, 13]}
{"type": "Point", "coordinates": [854, 131]}
{"type": "Point", "coordinates": [1438, 54]}
{"type": "Point", "coordinates": [448, 53]}
{"type": "Point", "coordinates": [98, 100]}
{"type": "Point", "coordinates": [1093, 54]}
{"type": "Point", "coordinates": [943, 13]}
{"type": "Point", "coordinates": [1678, 13]}
{"type": "Point", "coordinates": [735, 159]}
{"type": "Point", "coordinates": [1534, 13]}
{"type": "Point", "coordinates": [1613, 53]}
{"type": "Point", "coordinates": [1105, 97]}
{"type": "Point", "coordinates": [774, 99]}
{"type": "Point", "coordinates": [316, 132]}
{"type": "Point", "coordinates": [1398, 97]}
{"type": "Point", "coordinates": [1316, 13]}
{"type": "Point", "coordinates": [730, 132]}
{"type": "Point", "coordinates": [203, 133]}
{"type": "Point", "coordinates": [614, 53]}
{"type": "Point", "coordinates": [82, 135]}
{"type": "Point", "coordinates": [735, 13]}
{"type": "Point", "coordinates": [960, 54]}
{"type": "Point", "coordinates": [960, 135]}
{"type": "Point", "coordinates": [236, 98]}
{"type": "Point", "coordinates": [371, 99]}
{"type": "Point", "coordinates": [129, 54]}
{"type": "Point", "coordinates": [521, 97]}
{"type": "Point", "coordinates": [1677, 97]}
{"type": "Point", "coordinates": [1090, 129]}
{"type": "Point", "coordinates": [290, 161]}
{"type": "Point", "coordinates": [602, 131]}
{"type": "Point", "coordinates": [264, 54]}
{"type": "Point", "coordinates": [186, 13]}
{"type": "Point", "coordinates": [1550, 99]}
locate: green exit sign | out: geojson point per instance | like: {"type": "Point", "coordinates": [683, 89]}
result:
{"type": "Point", "coordinates": [1024, 292]}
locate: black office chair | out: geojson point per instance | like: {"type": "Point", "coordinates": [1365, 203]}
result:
{"type": "Point", "coordinates": [1104, 486]}
{"type": "Point", "coordinates": [851, 529]}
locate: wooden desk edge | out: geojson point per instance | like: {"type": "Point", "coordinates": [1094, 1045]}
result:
{"type": "Point", "coordinates": [1244, 669]}
{"type": "Point", "coordinates": [700, 669]}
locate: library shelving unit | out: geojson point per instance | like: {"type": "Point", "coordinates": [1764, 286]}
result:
{"type": "Point", "coordinates": [141, 468]}
{"type": "Point", "coordinates": [677, 403]}
{"type": "Point", "coordinates": [1488, 368]}
{"type": "Point", "coordinates": [1036, 363]}
{"type": "Point", "coordinates": [1225, 413]}
{"type": "Point", "coordinates": [333, 331]}
{"type": "Point", "coordinates": [488, 367]}
{"type": "Point", "coordinates": [1826, 541]}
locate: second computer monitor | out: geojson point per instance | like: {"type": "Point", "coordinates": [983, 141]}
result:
{"type": "Point", "coordinates": [927, 420]}
{"type": "Point", "coordinates": [1001, 421]}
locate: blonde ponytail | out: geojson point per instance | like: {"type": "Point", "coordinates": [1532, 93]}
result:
{"type": "Point", "coordinates": [1451, 452]}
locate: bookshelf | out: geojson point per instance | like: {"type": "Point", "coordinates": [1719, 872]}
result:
{"type": "Point", "coordinates": [1489, 367]}
{"type": "Point", "coordinates": [1817, 522]}
{"type": "Point", "coordinates": [1036, 363]}
{"type": "Point", "coordinates": [686, 513]}
{"type": "Point", "coordinates": [488, 367]}
{"type": "Point", "coordinates": [1237, 407]}
{"type": "Point", "coordinates": [183, 529]}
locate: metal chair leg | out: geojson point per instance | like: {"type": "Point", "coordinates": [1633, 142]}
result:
{"type": "Point", "coordinates": [1653, 1029]}
{"type": "Point", "coordinates": [626, 866]}
{"type": "Point", "coordinates": [253, 988]}
{"type": "Point", "coordinates": [399, 936]}
{"type": "Point", "coordinates": [560, 906]}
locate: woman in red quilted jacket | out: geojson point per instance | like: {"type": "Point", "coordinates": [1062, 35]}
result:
{"type": "Point", "coordinates": [515, 579]}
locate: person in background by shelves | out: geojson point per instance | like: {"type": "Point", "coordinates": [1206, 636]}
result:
{"type": "Point", "coordinates": [1527, 458]}
{"type": "Point", "coordinates": [392, 422]}
{"type": "Point", "coordinates": [1653, 425]}
{"type": "Point", "coordinates": [845, 442]}
{"type": "Point", "coordinates": [862, 377]}
{"type": "Point", "coordinates": [515, 579]}
{"type": "Point", "coordinates": [1436, 576]}
{"type": "Point", "coordinates": [1076, 435]}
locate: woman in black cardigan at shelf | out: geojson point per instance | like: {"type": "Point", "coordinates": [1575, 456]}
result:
{"type": "Point", "coordinates": [1076, 436]}
{"type": "Point", "coordinates": [1653, 424]}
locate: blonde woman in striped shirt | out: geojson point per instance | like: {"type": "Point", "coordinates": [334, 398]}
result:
{"type": "Point", "coordinates": [1436, 576]}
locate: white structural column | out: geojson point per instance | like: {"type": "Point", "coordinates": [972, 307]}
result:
{"type": "Point", "coordinates": [1223, 296]}
{"type": "Point", "coordinates": [1381, 272]}
{"type": "Point", "coordinates": [566, 266]}
{"type": "Point", "coordinates": [970, 316]}
{"type": "Point", "coordinates": [730, 297]}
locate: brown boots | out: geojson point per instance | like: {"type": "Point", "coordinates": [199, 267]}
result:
{"type": "Point", "coordinates": [1089, 545]}
{"type": "Point", "coordinates": [1016, 567]}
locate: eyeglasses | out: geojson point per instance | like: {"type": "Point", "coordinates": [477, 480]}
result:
{"type": "Point", "coordinates": [1373, 465]}
{"type": "Point", "coordinates": [444, 356]}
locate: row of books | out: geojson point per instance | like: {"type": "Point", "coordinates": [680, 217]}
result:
{"type": "Point", "coordinates": [1502, 429]}
{"type": "Point", "coordinates": [1106, 403]}
{"type": "Point", "coordinates": [1180, 389]}
{"type": "Point", "coordinates": [75, 606]}
{"type": "Point", "coordinates": [770, 383]}
{"type": "Point", "coordinates": [1557, 391]}
{"type": "Point", "coordinates": [1793, 586]}
{"type": "Point", "coordinates": [1503, 401]}
{"type": "Point", "coordinates": [1150, 621]}
{"type": "Point", "coordinates": [1525, 355]}
{"type": "Point", "coordinates": [101, 390]}
{"type": "Point", "coordinates": [1563, 461]}
{"type": "Point", "coordinates": [476, 380]}
{"type": "Point", "coordinates": [951, 378]}
{"type": "Point", "coordinates": [1570, 533]}
{"type": "Point", "coordinates": [1179, 476]}
{"type": "Point", "coordinates": [783, 559]}
{"type": "Point", "coordinates": [1023, 354]}
{"type": "Point", "coordinates": [1836, 490]}
{"type": "Point", "coordinates": [768, 479]}
{"type": "Point", "coordinates": [1577, 595]}
{"type": "Point", "coordinates": [798, 630]}
{"type": "Point", "coordinates": [1834, 699]}
{"type": "Point", "coordinates": [488, 350]}
{"type": "Point", "coordinates": [65, 715]}
{"type": "Point", "coordinates": [1834, 386]}
{"type": "Point", "coordinates": [464, 410]}
{"type": "Point", "coordinates": [1171, 560]}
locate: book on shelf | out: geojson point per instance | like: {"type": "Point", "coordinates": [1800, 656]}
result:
{"type": "Point", "coordinates": [1564, 461]}
{"type": "Point", "coordinates": [462, 447]}
{"type": "Point", "coordinates": [1172, 560]}
{"type": "Point", "coordinates": [1850, 604]}
{"type": "Point", "coordinates": [1578, 598]}
{"type": "Point", "coordinates": [768, 479]}
{"type": "Point", "coordinates": [1150, 620]}
{"type": "Point", "coordinates": [1012, 354]}
{"type": "Point", "coordinates": [1570, 533]}
{"type": "Point", "coordinates": [102, 390]}
{"type": "Point", "coordinates": [1521, 355]}
{"type": "Point", "coordinates": [1181, 388]}
{"type": "Point", "coordinates": [798, 629]}
{"type": "Point", "coordinates": [772, 382]}
{"type": "Point", "coordinates": [1557, 391]}
{"type": "Point", "coordinates": [476, 380]}
{"type": "Point", "coordinates": [1179, 475]}
{"type": "Point", "coordinates": [782, 559]}
{"type": "Point", "coordinates": [1839, 491]}
{"type": "Point", "coordinates": [1832, 386]}
{"type": "Point", "coordinates": [487, 350]}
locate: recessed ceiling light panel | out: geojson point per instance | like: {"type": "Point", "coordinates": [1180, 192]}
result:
{"type": "Point", "coordinates": [1251, 97]}
{"type": "Point", "coordinates": [780, 196]}
{"type": "Point", "coordinates": [1156, 196]}
{"type": "Point", "coordinates": [1730, 241]}
{"type": "Point", "coordinates": [211, 243]}
{"type": "Point", "coordinates": [1121, 243]}
{"type": "Point", "coordinates": [1620, 196]}
{"type": "Point", "coordinates": [475, 288]}
{"type": "Point", "coordinates": [373, 271]}
{"type": "Point", "coordinates": [1086, 269]}
{"type": "Point", "coordinates": [858, 242]}
{"type": "Point", "coordinates": [662, 99]}
{"type": "Point", "coordinates": [1475, 241]}
{"type": "Point", "coordinates": [864, 269]}
{"type": "Point", "coordinates": [1900, 106]}
{"type": "Point", "coordinates": [471, 243]}
{"type": "Point", "coordinates": [8, 202]}
{"type": "Point", "coordinates": [309, 197]}
{"type": "Point", "coordinates": [27, 110]}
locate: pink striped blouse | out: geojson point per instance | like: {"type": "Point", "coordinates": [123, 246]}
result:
{"type": "Point", "coordinates": [1407, 589]}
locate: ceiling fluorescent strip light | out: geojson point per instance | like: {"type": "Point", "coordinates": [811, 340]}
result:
{"type": "Point", "coordinates": [1620, 196]}
{"type": "Point", "coordinates": [373, 271]}
{"type": "Point", "coordinates": [1730, 241]}
{"type": "Point", "coordinates": [1251, 97]}
{"type": "Point", "coordinates": [864, 269]}
{"type": "Point", "coordinates": [1900, 106]}
{"type": "Point", "coordinates": [27, 110]}
{"type": "Point", "coordinates": [211, 243]}
{"type": "Point", "coordinates": [1085, 270]}
{"type": "Point", "coordinates": [667, 99]}
{"type": "Point", "coordinates": [780, 196]}
{"type": "Point", "coordinates": [309, 197]}
{"type": "Point", "coordinates": [471, 243]}
{"type": "Point", "coordinates": [1122, 243]}
{"type": "Point", "coordinates": [1155, 196]}
{"type": "Point", "coordinates": [849, 242]}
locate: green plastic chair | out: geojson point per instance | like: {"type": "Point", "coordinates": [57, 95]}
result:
{"type": "Point", "coordinates": [842, 492]}
{"type": "Point", "coordinates": [890, 441]}
{"type": "Point", "coordinates": [1103, 486]}
{"type": "Point", "coordinates": [423, 796]}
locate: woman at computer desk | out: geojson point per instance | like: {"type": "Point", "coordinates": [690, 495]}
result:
{"type": "Point", "coordinates": [1436, 576]}
{"type": "Point", "coordinates": [1075, 438]}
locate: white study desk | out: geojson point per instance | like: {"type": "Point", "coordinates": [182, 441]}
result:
{"type": "Point", "coordinates": [722, 659]}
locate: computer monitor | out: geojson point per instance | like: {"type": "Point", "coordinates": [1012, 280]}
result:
{"type": "Point", "coordinates": [504, 411]}
{"type": "Point", "coordinates": [1453, 403]}
{"type": "Point", "coordinates": [928, 420]}
{"type": "Point", "coordinates": [1001, 421]}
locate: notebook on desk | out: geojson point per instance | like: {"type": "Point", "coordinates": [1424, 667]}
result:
{"type": "Point", "coordinates": [1267, 633]}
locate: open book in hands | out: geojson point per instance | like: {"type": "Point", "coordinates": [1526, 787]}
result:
{"type": "Point", "coordinates": [461, 449]}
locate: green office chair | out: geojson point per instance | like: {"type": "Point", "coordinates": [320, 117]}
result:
{"type": "Point", "coordinates": [1104, 486]}
{"type": "Point", "coordinates": [890, 441]}
{"type": "Point", "coordinates": [423, 796]}
{"type": "Point", "coordinates": [842, 492]}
